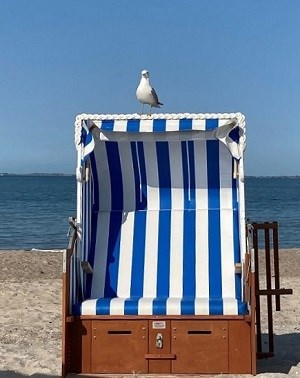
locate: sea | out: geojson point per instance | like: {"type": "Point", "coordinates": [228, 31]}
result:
{"type": "Point", "coordinates": [34, 209]}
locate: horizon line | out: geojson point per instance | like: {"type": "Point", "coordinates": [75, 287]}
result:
{"type": "Point", "coordinates": [74, 174]}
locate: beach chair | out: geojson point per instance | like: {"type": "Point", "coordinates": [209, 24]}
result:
{"type": "Point", "coordinates": [159, 273]}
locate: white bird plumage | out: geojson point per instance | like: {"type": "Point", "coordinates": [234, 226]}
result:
{"type": "Point", "coordinates": [146, 94]}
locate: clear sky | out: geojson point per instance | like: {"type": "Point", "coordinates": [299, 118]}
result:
{"type": "Point", "coordinates": [60, 58]}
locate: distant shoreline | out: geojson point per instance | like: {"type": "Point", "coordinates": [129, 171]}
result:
{"type": "Point", "coordinates": [39, 174]}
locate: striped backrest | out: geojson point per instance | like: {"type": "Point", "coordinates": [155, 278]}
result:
{"type": "Point", "coordinates": [164, 221]}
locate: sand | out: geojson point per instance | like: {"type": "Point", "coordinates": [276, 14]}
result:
{"type": "Point", "coordinates": [30, 316]}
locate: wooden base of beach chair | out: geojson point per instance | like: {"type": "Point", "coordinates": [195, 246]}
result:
{"type": "Point", "coordinates": [160, 345]}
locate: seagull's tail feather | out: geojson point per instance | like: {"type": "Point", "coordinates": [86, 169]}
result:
{"type": "Point", "coordinates": [157, 105]}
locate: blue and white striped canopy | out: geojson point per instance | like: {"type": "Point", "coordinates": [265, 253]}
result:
{"type": "Point", "coordinates": [227, 127]}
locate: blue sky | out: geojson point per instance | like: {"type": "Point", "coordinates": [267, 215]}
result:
{"type": "Point", "coordinates": [60, 58]}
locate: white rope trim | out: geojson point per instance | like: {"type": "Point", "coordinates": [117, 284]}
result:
{"type": "Point", "coordinates": [101, 117]}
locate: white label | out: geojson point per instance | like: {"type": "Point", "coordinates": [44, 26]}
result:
{"type": "Point", "coordinates": [159, 325]}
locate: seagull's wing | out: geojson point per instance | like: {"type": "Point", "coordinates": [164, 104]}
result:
{"type": "Point", "coordinates": [154, 95]}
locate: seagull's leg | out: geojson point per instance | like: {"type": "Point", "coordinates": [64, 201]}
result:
{"type": "Point", "coordinates": [142, 109]}
{"type": "Point", "coordinates": [150, 109]}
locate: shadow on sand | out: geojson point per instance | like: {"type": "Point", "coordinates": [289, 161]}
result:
{"type": "Point", "coordinates": [287, 354]}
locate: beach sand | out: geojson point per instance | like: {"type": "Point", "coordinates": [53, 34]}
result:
{"type": "Point", "coordinates": [30, 316]}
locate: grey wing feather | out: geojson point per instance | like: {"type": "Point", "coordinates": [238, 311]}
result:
{"type": "Point", "coordinates": [154, 95]}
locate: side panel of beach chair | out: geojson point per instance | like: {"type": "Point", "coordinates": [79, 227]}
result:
{"type": "Point", "coordinates": [160, 273]}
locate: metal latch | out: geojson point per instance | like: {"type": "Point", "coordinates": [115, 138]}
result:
{"type": "Point", "coordinates": [159, 341]}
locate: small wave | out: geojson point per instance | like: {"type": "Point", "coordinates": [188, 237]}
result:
{"type": "Point", "coordinates": [47, 250]}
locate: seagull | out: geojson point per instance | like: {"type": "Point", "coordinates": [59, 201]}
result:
{"type": "Point", "coordinates": [146, 94]}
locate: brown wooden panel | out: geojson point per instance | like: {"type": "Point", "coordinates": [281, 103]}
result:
{"type": "Point", "coordinates": [200, 347]}
{"type": "Point", "coordinates": [160, 365]}
{"type": "Point", "coordinates": [119, 346]}
{"type": "Point", "coordinates": [80, 346]}
{"type": "Point", "coordinates": [160, 356]}
{"type": "Point", "coordinates": [239, 347]}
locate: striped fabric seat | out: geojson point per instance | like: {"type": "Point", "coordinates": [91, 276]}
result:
{"type": "Point", "coordinates": [163, 227]}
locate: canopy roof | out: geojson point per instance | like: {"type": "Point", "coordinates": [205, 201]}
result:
{"type": "Point", "coordinates": [229, 128]}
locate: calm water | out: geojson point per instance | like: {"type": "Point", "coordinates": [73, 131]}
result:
{"type": "Point", "coordinates": [276, 199]}
{"type": "Point", "coordinates": [34, 210]}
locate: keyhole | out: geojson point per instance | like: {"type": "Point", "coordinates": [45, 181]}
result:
{"type": "Point", "coordinates": [159, 341]}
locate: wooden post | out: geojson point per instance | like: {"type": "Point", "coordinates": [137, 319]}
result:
{"type": "Point", "coordinates": [276, 265]}
{"type": "Point", "coordinates": [66, 302]}
{"type": "Point", "coordinates": [269, 287]}
{"type": "Point", "coordinates": [256, 280]}
{"type": "Point", "coordinates": [253, 316]}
